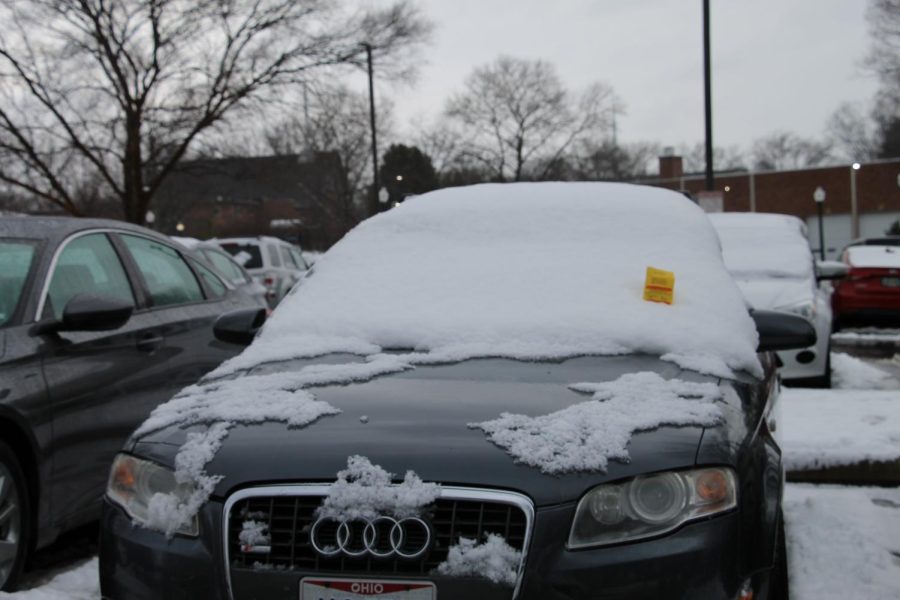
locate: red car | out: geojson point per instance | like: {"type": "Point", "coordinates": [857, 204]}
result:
{"type": "Point", "coordinates": [870, 293]}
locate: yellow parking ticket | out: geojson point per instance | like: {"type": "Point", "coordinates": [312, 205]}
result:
{"type": "Point", "coordinates": [659, 286]}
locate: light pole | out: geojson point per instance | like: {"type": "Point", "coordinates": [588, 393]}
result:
{"type": "Point", "coordinates": [819, 197]}
{"type": "Point", "coordinates": [375, 186]}
{"type": "Point", "coordinates": [707, 95]}
{"type": "Point", "coordinates": [854, 212]}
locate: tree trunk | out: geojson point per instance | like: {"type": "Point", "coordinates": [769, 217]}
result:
{"type": "Point", "coordinates": [134, 201]}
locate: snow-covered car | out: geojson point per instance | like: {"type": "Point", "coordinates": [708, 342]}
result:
{"type": "Point", "coordinates": [769, 257]}
{"type": "Point", "coordinates": [871, 292]}
{"type": "Point", "coordinates": [532, 391]}
{"type": "Point", "coordinates": [272, 262]}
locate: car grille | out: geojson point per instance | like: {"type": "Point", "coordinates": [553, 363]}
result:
{"type": "Point", "coordinates": [290, 517]}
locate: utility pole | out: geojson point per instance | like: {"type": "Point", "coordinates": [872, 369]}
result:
{"type": "Point", "coordinates": [708, 97]}
{"type": "Point", "coordinates": [375, 185]}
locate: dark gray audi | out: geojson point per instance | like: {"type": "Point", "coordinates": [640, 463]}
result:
{"type": "Point", "coordinates": [543, 391]}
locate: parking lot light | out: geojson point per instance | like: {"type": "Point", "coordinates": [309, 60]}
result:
{"type": "Point", "coordinates": [819, 197]}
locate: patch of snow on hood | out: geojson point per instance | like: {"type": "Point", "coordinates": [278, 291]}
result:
{"type": "Point", "coordinates": [491, 559]}
{"type": "Point", "coordinates": [365, 491]}
{"type": "Point", "coordinates": [585, 436]}
{"type": "Point", "coordinates": [773, 294]}
{"type": "Point", "coordinates": [533, 270]}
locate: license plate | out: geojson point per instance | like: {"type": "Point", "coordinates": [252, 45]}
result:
{"type": "Point", "coordinates": [317, 588]}
{"type": "Point", "coordinates": [890, 282]}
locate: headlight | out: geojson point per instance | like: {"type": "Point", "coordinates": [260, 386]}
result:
{"type": "Point", "coordinates": [133, 482]}
{"type": "Point", "coordinates": [806, 309]}
{"type": "Point", "coordinates": [650, 505]}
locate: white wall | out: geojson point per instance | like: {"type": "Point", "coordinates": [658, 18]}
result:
{"type": "Point", "coordinates": [838, 229]}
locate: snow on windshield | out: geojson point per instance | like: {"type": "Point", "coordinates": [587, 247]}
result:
{"type": "Point", "coordinates": [586, 436]}
{"type": "Point", "coordinates": [531, 270]}
{"type": "Point", "coordinates": [760, 245]}
{"type": "Point", "coordinates": [884, 257]}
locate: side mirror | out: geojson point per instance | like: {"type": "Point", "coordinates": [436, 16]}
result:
{"type": "Point", "coordinates": [240, 326]}
{"type": "Point", "coordinates": [87, 312]}
{"type": "Point", "coordinates": [782, 331]}
{"type": "Point", "coordinates": [831, 269]}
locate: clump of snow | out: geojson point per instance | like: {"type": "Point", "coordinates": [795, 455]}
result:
{"type": "Point", "coordinates": [365, 491]}
{"type": "Point", "coordinates": [883, 257]}
{"type": "Point", "coordinates": [78, 582]}
{"type": "Point", "coordinates": [764, 245]}
{"type": "Point", "coordinates": [585, 436]}
{"type": "Point", "coordinates": [851, 373]}
{"type": "Point", "coordinates": [167, 512]}
{"type": "Point", "coordinates": [701, 363]}
{"type": "Point", "coordinates": [254, 533]}
{"type": "Point", "coordinates": [491, 559]}
{"type": "Point", "coordinates": [843, 542]}
{"type": "Point", "coordinates": [829, 428]}
{"type": "Point", "coordinates": [522, 270]}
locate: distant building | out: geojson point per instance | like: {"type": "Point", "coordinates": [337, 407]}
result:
{"type": "Point", "coordinates": [297, 197]}
{"type": "Point", "coordinates": [877, 194]}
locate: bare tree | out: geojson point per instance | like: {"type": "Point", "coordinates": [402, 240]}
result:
{"type": "Point", "coordinates": [884, 60]}
{"type": "Point", "coordinates": [516, 111]}
{"type": "Point", "coordinates": [727, 158]}
{"type": "Point", "coordinates": [783, 150]}
{"type": "Point", "coordinates": [851, 133]}
{"type": "Point", "coordinates": [118, 90]}
{"type": "Point", "coordinates": [607, 160]}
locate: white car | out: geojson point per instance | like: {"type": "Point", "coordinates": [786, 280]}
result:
{"type": "Point", "coordinates": [768, 256]}
{"type": "Point", "coordinates": [274, 263]}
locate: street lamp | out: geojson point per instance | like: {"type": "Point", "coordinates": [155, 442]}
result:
{"type": "Point", "coordinates": [375, 186]}
{"type": "Point", "coordinates": [854, 212]}
{"type": "Point", "coordinates": [819, 197]}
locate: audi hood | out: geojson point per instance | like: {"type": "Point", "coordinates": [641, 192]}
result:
{"type": "Point", "coordinates": [422, 420]}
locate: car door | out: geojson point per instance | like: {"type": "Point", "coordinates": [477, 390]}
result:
{"type": "Point", "coordinates": [185, 299]}
{"type": "Point", "coordinates": [101, 384]}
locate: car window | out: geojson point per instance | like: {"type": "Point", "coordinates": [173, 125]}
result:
{"type": "Point", "coordinates": [216, 288]}
{"type": "Point", "coordinates": [225, 266]}
{"type": "Point", "coordinates": [15, 263]}
{"type": "Point", "coordinates": [169, 279]}
{"type": "Point", "coordinates": [288, 259]}
{"type": "Point", "coordinates": [87, 265]}
{"type": "Point", "coordinates": [247, 255]}
{"type": "Point", "coordinates": [298, 258]}
{"type": "Point", "coordinates": [273, 256]}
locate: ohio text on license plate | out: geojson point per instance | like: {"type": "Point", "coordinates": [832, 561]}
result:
{"type": "Point", "coordinates": [890, 282]}
{"type": "Point", "coordinates": [318, 588]}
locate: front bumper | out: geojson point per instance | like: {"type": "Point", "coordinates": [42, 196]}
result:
{"type": "Point", "coordinates": [701, 560]}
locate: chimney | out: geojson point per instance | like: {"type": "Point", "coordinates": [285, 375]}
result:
{"type": "Point", "coordinates": [670, 165]}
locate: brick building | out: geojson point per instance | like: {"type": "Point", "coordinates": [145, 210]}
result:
{"type": "Point", "coordinates": [877, 195]}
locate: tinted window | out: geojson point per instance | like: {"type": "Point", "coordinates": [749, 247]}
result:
{"type": "Point", "coordinates": [15, 262]}
{"type": "Point", "coordinates": [298, 258]}
{"type": "Point", "coordinates": [169, 279]}
{"type": "Point", "coordinates": [87, 265]}
{"type": "Point", "coordinates": [225, 266]}
{"type": "Point", "coordinates": [246, 255]}
{"type": "Point", "coordinates": [216, 287]}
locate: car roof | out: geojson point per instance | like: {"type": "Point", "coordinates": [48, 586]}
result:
{"type": "Point", "coordinates": [55, 229]}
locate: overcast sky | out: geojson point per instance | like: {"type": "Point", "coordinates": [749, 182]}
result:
{"type": "Point", "coordinates": [777, 64]}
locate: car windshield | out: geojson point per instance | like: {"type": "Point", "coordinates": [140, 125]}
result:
{"type": "Point", "coordinates": [763, 246]}
{"type": "Point", "coordinates": [247, 255]}
{"type": "Point", "coordinates": [16, 258]}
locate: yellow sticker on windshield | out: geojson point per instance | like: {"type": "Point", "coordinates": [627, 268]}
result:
{"type": "Point", "coordinates": [659, 286]}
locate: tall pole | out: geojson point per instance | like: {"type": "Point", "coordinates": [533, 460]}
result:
{"type": "Point", "coordinates": [821, 231]}
{"type": "Point", "coordinates": [854, 211]}
{"type": "Point", "coordinates": [708, 98]}
{"type": "Point", "coordinates": [375, 185]}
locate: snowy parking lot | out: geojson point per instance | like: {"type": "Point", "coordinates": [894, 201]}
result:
{"type": "Point", "coordinates": [843, 541]}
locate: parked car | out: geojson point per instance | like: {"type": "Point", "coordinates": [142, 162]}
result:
{"type": "Point", "coordinates": [886, 240]}
{"type": "Point", "coordinates": [274, 263]}
{"type": "Point", "coordinates": [871, 292]}
{"type": "Point", "coordinates": [769, 257]}
{"type": "Point", "coordinates": [561, 434]}
{"type": "Point", "coordinates": [100, 321]}
{"type": "Point", "coordinates": [227, 267]}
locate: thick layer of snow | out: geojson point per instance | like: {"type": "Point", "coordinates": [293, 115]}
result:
{"type": "Point", "coordinates": [826, 428]}
{"type": "Point", "coordinates": [760, 245]}
{"type": "Point", "coordinates": [526, 270]}
{"type": "Point", "coordinates": [851, 373]}
{"type": "Point", "coordinates": [365, 491]}
{"type": "Point", "coordinates": [843, 542]}
{"type": "Point", "coordinates": [586, 436]}
{"type": "Point", "coordinates": [491, 559]}
{"type": "Point", "coordinates": [886, 257]}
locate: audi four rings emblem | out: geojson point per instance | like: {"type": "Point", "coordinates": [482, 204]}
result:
{"type": "Point", "coordinates": [381, 537]}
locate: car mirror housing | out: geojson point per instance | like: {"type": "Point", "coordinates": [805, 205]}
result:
{"type": "Point", "coordinates": [782, 331]}
{"type": "Point", "coordinates": [831, 269]}
{"type": "Point", "coordinates": [240, 326]}
{"type": "Point", "coordinates": [87, 312]}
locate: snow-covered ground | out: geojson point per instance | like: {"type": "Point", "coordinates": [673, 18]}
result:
{"type": "Point", "coordinates": [843, 542]}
